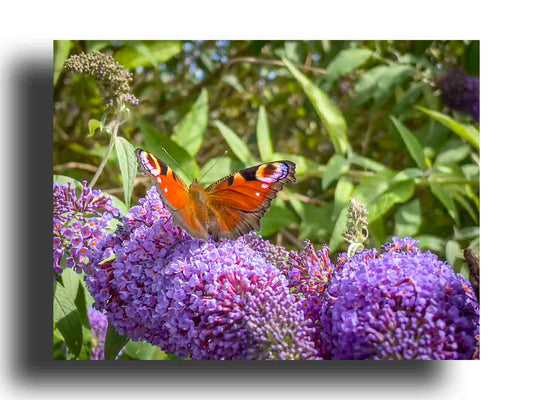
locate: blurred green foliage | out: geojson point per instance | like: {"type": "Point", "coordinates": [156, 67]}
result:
{"type": "Point", "coordinates": [360, 119]}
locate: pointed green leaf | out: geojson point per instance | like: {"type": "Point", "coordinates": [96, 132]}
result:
{"type": "Point", "coordinates": [367, 163]}
{"type": "Point", "coordinates": [94, 124]}
{"type": "Point", "coordinates": [146, 53]}
{"type": "Point", "coordinates": [327, 110]}
{"type": "Point", "coordinates": [155, 142]}
{"type": "Point", "coordinates": [412, 144]}
{"type": "Point", "coordinates": [452, 151]}
{"type": "Point", "coordinates": [445, 198]}
{"type": "Point", "coordinates": [399, 192]}
{"type": "Point", "coordinates": [65, 180]}
{"type": "Point", "coordinates": [343, 191]}
{"type": "Point", "coordinates": [378, 82]}
{"type": "Point", "coordinates": [451, 251]}
{"type": "Point", "coordinates": [430, 242]}
{"type": "Point", "coordinates": [337, 240]}
{"type": "Point", "coordinates": [114, 342]}
{"type": "Point", "coordinates": [67, 319]}
{"type": "Point", "coordinates": [233, 81]}
{"type": "Point", "coordinates": [127, 161]}
{"type": "Point", "coordinates": [277, 217]}
{"type": "Point", "coordinates": [408, 219]}
{"type": "Point", "coordinates": [468, 132]}
{"type": "Point", "coordinates": [345, 62]}
{"type": "Point", "coordinates": [61, 52]}
{"type": "Point", "coordinates": [236, 144]}
{"type": "Point", "coordinates": [335, 166]}
{"type": "Point", "coordinates": [189, 133]}
{"type": "Point", "coordinates": [264, 143]}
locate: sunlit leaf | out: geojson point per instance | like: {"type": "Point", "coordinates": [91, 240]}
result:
{"type": "Point", "coordinates": [408, 219]}
{"type": "Point", "coordinates": [399, 192]}
{"type": "Point", "coordinates": [328, 112]}
{"type": "Point", "coordinates": [453, 151]}
{"type": "Point", "coordinates": [468, 132]}
{"type": "Point", "coordinates": [114, 342]}
{"type": "Point", "coordinates": [67, 319]}
{"type": "Point", "coordinates": [127, 161]}
{"type": "Point", "coordinates": [445, 198]}
{"type": "Point", "coordinates": [189, 133]}
{"type": "Point", "coordinates": [337, 240]}
{"type": "Point", "coordinates": [412, 144]}
{"type": "Point", "coordinates": [451, 251]}
{"type": "Point", "coordinates": [345, 62]}
{"type": "Point", "coordinates": [367, 163]}
{"type": "Point", "coordinates": [335, 166]}
{"type": "Point", "coordinates": [61, 52]}
{"type": "Point", "coordinates": [378, 82]}
{"type": "Point", "coordinates": [146, 53]}
{"type": "Point", "coordinates": [236, 144]}
{"type": "Point", "coordinates": [431, 242]}
{"type": "Point", "coordinates": [341, 198]}
{"type": "Point", "coordinates": [155, 142]}
{"type": "Point", "coordinates": [94, 124]}
{"type": "Point", "coordinates": [264, 143]}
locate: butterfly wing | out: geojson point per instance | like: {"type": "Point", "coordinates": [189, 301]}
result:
{"type": "Point", "coordinates": [238, 202]}
{"type": "Point", "coordinates": [173, 192]}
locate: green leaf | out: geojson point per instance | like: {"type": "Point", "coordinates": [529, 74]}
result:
{"type": "Point", "coordinates": [399, 192]}
{"type": "Point", "coordinates": [345, 62]}
{"type": "Point", "coordinates": [155, 142]}
{"type": "Point", "coordinates": [127, 161]}
{"type": "Point", "coordinates": [328, 112]}
{"type": "Point", "coordinates": [408, 174]}
{"type": "Point", "coordinates": [451, 252]}
{"type": "Point", "coordinates": [61, 52]}
{"type": "Point", "coordinates": [233, 81]}
{"type": "Point", "coordinates": [94, 124]}
{"type": "Point", "coordinates": [335, 166]}
{"type": "Point", "coordinates": [236, 144]}
{"type": "Point", "coordinates": [377, 83]}
{"type": "Point", "coordinates": [224, 166]}
{"type": "Point", "coordinates": [430, 242]}
{"type": "Point", "coordinates": [143, 351]}
{"type": "Point", "coordinates": [468, 132]}
{"type": "Point", "coordinates": [445, 198]}
{"type": "Point", "coordinates": [67, 319]}
{"type": "Point", "coordinates": [146, 53]}
{"type": "Point", "coordinates": [114, 342]}
{"type": "Point", "coordinates": [466, 233]}
{"type": "Point", "coordinates": [65, 180]}
{"type": "Point", "coordinates": [316, 223]}
{"type": "Point", "coordinates": [277, 217]}
{"type": "Point", "coordinates": [412, 144]}
{"type": "Point", "coordinates": [367, 163]}
{"type": "Point", "coordinates": [343, 191]}
{"type": "Point", "coordinates": [453, 151]}
{"type": "Point", "coordinates": [264, 143]}
{"type": "Point", "coordinates": [337, 239]}
{"type": "Point", "coordinates": [408, 219]}
{"type": "Point", "coordinates": [189, 133]}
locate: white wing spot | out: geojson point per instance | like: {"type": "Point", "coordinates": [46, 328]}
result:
{"type": "Point", "coordinates": [257, 194]}
{"type": "Point", "coordinates": [158, 179]}
{"type": "Point", "coordinates": [166, 190]}
{"type": "Point", "coordinates": [264, 186]}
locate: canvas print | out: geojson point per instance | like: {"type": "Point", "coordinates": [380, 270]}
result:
{"type": "Point", "coordinates": [266, 200]}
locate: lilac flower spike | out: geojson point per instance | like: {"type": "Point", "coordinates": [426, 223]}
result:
{"type": "Point", "coordinates": [204, 300]}
{"type": "Point", "coordinates": [401, 304]}
{"type": "Point", "coordinates": [78, 223]}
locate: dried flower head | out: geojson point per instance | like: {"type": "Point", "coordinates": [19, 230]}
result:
{"type": "Point", "coordinates": [112, 77]}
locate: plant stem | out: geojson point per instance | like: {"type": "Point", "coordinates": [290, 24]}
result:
{"type": "Point", "coordinates": [116, 122]}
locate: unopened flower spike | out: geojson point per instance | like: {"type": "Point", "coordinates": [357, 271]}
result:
{"type": "Point", "coordinates": [356, 231]}
{"type": "Point", "coordinates": [111, 76]}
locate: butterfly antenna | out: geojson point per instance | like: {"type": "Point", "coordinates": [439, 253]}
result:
{"type": "Point", "coordinates": [179, 166]}
{"type": "Point", "coordinates": [211, 167]}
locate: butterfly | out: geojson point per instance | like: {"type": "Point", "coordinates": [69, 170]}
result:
{"type": "Point", "coordinates": [228, 208]}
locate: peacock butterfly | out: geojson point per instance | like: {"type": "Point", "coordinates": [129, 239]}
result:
{"type": "Point", "coordinates": [228, 208]}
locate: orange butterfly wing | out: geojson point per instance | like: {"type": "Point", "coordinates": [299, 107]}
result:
{"type": "Point", "coordinates": [238, 202]}
{"type": "Point", "coordinates": [173, 192]}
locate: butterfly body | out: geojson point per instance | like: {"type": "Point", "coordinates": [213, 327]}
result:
{"type": "Point", "coordinates": [229, 207]}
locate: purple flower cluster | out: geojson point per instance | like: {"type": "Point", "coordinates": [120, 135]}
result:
{"type": "Point", "coordinates": [78, 224]}
{"type": "Point", "coordinates": [98, 321]}
{"type": "Point", "coordinates": [401, 304]}
{"type": "Point", "coordinates": [196, 299]}
{"type": "Point", "coordinates": [460, 92]}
